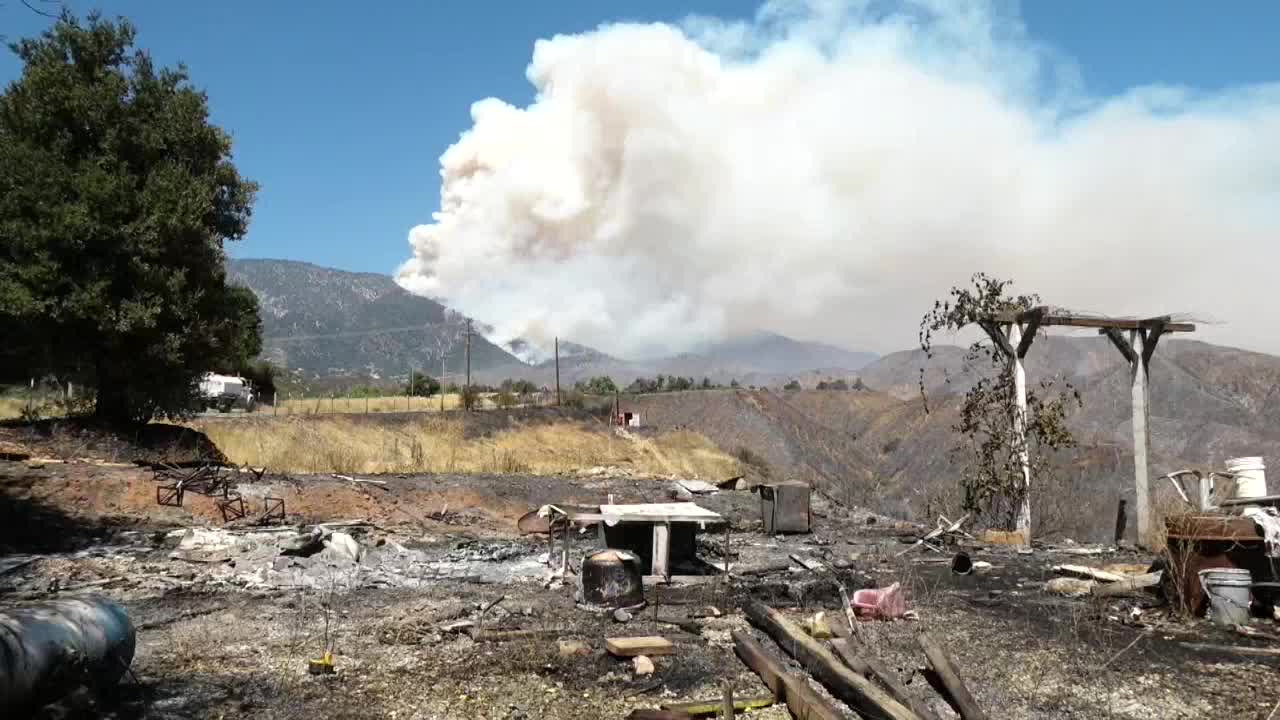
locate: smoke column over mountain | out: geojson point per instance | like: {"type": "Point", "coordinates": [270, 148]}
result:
{"type": "Point", "coordinates": [829, 168]}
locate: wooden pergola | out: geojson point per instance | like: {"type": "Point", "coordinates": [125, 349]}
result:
{"type": "Point", "coordinates": [1136, 340]}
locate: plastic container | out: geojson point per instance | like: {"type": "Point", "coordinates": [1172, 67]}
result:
{"type": "Point", "coordinates": [1228, 593]}
{"type": "Point", "coordinates": [1251, 476]}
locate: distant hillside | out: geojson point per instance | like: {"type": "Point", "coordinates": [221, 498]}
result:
{"type": "Point", "coordinates": [331, 322]}
{"type": "Point", "coordinates": [882, 449]}
{"type": "Point", "coordinates": [765, 353]}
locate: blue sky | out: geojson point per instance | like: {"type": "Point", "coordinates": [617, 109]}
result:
{"type": "Point", "coordinates": [341, 110]}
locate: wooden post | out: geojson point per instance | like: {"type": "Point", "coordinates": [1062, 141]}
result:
{"type": "Point", "coordinates": [803, 701]}
{"type": "Point", "coordinates": [275, 403]}
{"type": "Point", "coordinates": [727, 526]}
{"type": "Point", "coordinates": [868, 665]}
{"type": "Point", "coordinates": [727, 699]}
{"type": "Point", "coordinates": [661, 546]}
{"type": "Point", "coordinates": [855, 690]}
{"type": "Point", "coordinates": [442, 382]}
{"type": "Point", "coordinates": [1121, 520]}
{"type": "Point", "coordinates": [1141, 440]}
{"type": "Point", "coordinates": [1020, 431]}
{"type": "Point", "coordinates": [557, 371]}
{"type": "Point", "coordinates": [955, 687]}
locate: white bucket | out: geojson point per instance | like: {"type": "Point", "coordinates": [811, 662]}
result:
{"type": "Point", "coordinates": [1228, 593]}
{"type": "Point", "coordinates": [1251, 476]}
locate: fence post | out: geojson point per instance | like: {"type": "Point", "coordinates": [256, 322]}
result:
{"type": "Point", "coordinates": [275, 404]}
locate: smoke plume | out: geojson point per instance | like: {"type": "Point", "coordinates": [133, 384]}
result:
{"type": "Point", "coordinates": [829, 168]}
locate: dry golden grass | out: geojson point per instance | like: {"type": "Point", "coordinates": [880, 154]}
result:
{"type": "Point", "coordinates": [12, 407]}
{"type": "Point", "coordinates": [337, 444]}
{"type": "Point", "coordinates": [327, 406]}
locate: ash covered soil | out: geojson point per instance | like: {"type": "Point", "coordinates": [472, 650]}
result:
{"type": "Point", "coordinates": [226, 623]}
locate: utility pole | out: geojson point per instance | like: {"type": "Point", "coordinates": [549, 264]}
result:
{"type": "Point", "coordinates": [466, 395]}
{"type": "Point", "coordinates": [557, 371]}
{"type": "Point", "coordinates": [441, 382]}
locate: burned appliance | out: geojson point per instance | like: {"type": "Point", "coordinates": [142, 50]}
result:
{"type": "Point", "coordinates": [611, 580]}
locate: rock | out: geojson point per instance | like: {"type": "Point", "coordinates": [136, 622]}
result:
{"type": "Point", "coordinates": [708, 611]}
{"type": "Point", "coordinates": [621, 616]}
{"type": "Point", "coordinates": [344, 546]}
{"type": "Point", "coordinates": [570, 648]}
{"type": "Point", "coordinates": [1071, 587]}
{"type": "Point", "coordinates": [643, 665]}
{"type": "Point", "coordinates": [679, 492]}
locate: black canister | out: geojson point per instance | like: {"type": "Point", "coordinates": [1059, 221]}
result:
{"type": "Point", "coordinates": [611, 579]}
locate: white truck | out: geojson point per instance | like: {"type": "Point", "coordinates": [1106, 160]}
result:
{"type": "Point", "coordinates": [225, 392]}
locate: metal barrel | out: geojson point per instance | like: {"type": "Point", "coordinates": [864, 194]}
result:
{"type": "Point", "coordinates": [51, 648]}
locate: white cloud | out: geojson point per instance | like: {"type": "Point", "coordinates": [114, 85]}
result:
{"type": "Point", "coordinates": [830, 168]}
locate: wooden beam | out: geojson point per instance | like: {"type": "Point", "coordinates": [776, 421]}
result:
{"type": "Point", "coordinates": [855, 690]}
{"type": "Point", "coordinates": [868, 665]}
{"type": "Point", "coordinates": [1151, 337]}
{"type": "Point", "coordinates": [804, 702]}
{"type": "Point", "coordinates": [1034, 318]}
{"type": "Point", "coordinates": [1121, 344]}
{"type": "Point", "coordinates": [711, 707]}
{"type": "Point", "coordinates": [1068, 320]}
{"type": "Point", "coordinates": [993, 331]}
{"type": "Point", "coordinates": [941, 664]}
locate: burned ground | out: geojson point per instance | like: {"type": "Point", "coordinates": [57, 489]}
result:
{"type": "Point", "coordinates": [225, 630]}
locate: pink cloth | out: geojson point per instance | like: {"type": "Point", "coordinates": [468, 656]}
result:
{"type": "Point", "coordinates": [881, 603]}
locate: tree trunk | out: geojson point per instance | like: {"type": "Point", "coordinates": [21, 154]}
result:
{"type": "Point", "coordinates": [114, 403]}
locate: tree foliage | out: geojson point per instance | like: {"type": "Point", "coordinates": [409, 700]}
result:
{"type": "Point", "coordinates": [421, 385]}
{"type": "Point", "coordinates": [116, 196]}
{"type": "Point", "coordinates": [601, 385]}
{"type": "Point", "coordinates": [988, 449]}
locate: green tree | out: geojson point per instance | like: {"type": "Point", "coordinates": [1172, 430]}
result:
{"type": "Point", "coordinates": [793, 385]}
{"type": "Point", "coordinates": [600, 385]}
{"type": "Point", "coordinates": [734, 383]}
{"type": "Point", "coordinates": [421, 385]}
{"type": "Point", "coordinates": [988, 449]}
{"type": "Point", "coordinates": [116, 197]}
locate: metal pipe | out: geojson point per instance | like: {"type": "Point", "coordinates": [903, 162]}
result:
{"type": "Point", "coordinates": [49, 649]}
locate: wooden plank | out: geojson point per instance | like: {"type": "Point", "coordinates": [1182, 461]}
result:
{"type": "Point", "coordinates": [1088, 573]}
{"type": "Point", "coordinates": [711, 707]}
{"type": "Point", "coordinates": [649, 714]}
{"type": "Point", "coordinates": [1128, 585]}
{"type": "Point", "coordinates": [632, 646]}
{"type": "Point", "coordinates": [950, 678]}
{"type": "Point", "coordinates": [863, 662]}
{"type": "Point", "coordinates": [803, 701]}
{"type": "Point", "coordinates": [855, 690]}
{"type": "Point", "coordinates": [1235, 649]}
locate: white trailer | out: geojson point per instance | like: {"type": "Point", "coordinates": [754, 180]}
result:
{"type": "Point", "coordinates": [225, 392]}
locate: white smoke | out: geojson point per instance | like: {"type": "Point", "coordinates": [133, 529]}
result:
{"type": "Point", "coordinates": [829, 169]}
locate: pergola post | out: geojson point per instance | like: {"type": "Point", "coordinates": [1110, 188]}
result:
{"type": "Point", "coordinates": [1137, 348]}
{"type": "Point", "coordinates": [1014, 346]}
{"type": "Point", "coordinates": [1141, 440]}
{"type": "Point", "coordinates": [1020, 432]}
